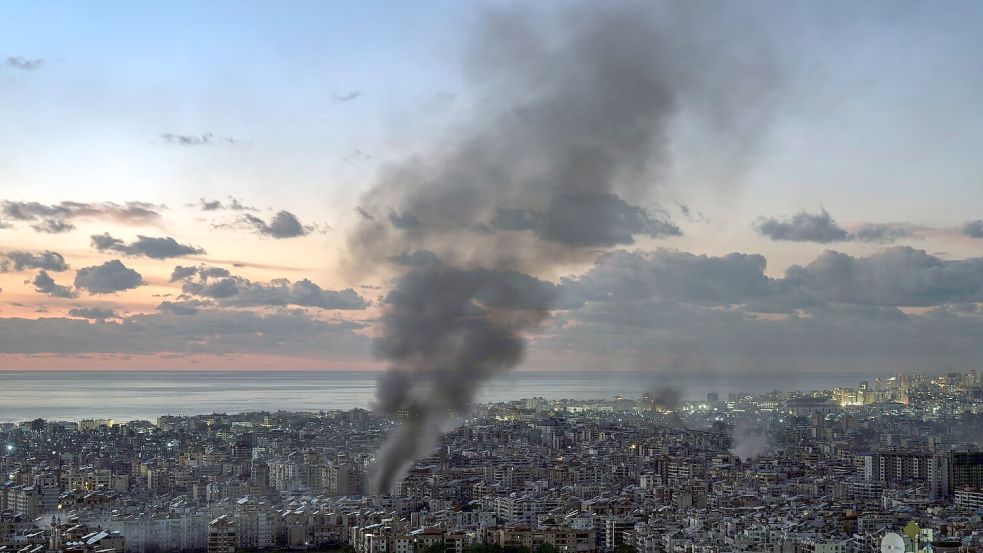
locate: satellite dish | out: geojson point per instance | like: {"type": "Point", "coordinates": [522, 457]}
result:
{"type": "Point", "coordinates": [892, 543]}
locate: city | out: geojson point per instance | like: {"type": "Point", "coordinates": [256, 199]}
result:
{"type": "Point", "coordinates": [827, 471]}
{"type": "Point", "coordinates": [491, 276]}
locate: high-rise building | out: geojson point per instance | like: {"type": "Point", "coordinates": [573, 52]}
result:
{"type": "Point", "coordinates": [221, 535]}
{"type": "Point", "coordinates": [956, 471]}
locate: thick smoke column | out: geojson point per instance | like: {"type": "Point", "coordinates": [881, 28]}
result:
{"type": "Point", "coordinates": [569, 142]}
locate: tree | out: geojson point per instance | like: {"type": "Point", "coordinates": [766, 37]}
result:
{"type": "Point", "coordinates": [625, 548]}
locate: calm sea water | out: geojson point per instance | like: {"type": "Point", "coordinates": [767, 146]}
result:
{"type": "Point", "coordinates": [74, 395]}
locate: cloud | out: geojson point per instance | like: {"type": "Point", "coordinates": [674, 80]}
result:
{"type": "Point", "coordinates": [233, 205]}
{"type": "Point", "coordinates": [110, 277]}
{"type": "Point", "coordinates": [346, 96]}
{"type": "Point", "coordinates": [896, 277]}
{"type": "Point", "coordinates": [857, 313]}
{"type": "Point", "coordinates": [204, 272]}
{"type": "Point", "coordinates": [803, 227]}
{"type": "Point", "coordinates": [216, 284]}
{"type": "Point", "coordinates": [184, 307]}
{"type": "Point", "coordinates": [883, 233]}
{"type": "Point", "coordinates": [94, 313]}
{"type": "Point", "coordinates": [55, 218]}
{"type": "Point", "coordinates": [53, 226]}
{"type": "Point", "coordinates": [146, 246]}
{"type": "Point", "coordinates": [973, 229]}
{"type": "Point", "coordinates": [181, 273]}
{"type": "Point", "coordinates": [205, 139]}
{"type": "Point", "coordinates": [283, 225]}
{"type": "Point", "coordinates": [208, 332]}
{"type": "Point", "coordinates": [822, 228]}
{"type": "Point", "coordinates": [25, 64]}
{"type": "Point", "coordinates": [44, 284]}
{"type": "Point", "coordinates": [20, 261]}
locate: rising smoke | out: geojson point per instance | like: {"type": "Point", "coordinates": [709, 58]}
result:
{"type": "Point", "coordinates": [561, 162]}
{"type": "Point", "coordinates": [750, 439]}
{"type": "Point", "coordinates": [666, 400]}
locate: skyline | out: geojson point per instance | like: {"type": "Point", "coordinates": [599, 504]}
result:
{"type": "Point", "coordinates": [823, 215]}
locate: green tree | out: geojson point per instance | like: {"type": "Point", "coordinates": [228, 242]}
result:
{"type": "Point", "coordinates": [625, 548]}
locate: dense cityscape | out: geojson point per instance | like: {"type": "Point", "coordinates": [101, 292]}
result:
{"type": "Point", "coordinates": [491, 276]}
{"type": "Point", "coordinates": [821, 472]}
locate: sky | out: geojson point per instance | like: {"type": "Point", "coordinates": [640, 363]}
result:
{"type": "Point", "coordinates": [193, 185]}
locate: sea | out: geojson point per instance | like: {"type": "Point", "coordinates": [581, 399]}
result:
{"type": "Point", "coordinates": [123, 396]}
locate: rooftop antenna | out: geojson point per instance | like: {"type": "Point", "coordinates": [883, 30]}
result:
{"type": "Point", "coordinates": [892, 543]}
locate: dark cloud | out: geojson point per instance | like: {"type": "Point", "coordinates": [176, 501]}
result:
{"type": "Point", "coordinates": [55, 218]}
{"type": "Point", "coordinates": [236, 291]}
{"type": "Point", "coordinates": [145, 246]}
{"type": "Point", "coordinates": [110, 277]}
{"type": "Point", "coordinates": [25, 64]}
{"type": "Point", "coordinates": [21, 261]}
{"type": "Point", "coordinates": [283, 225]}
{"type": "Point", "coordinates": [973, 229]}
{"type": "Point", "coordinates": [803, 227]}
{"type": "Point", "coordinates": [94, 313]}
{"type": "Point", "coordinates": [44, 284]}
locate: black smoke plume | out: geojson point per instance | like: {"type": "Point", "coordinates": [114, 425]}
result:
{"type": "Point", "coordinates": [560, 162]}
